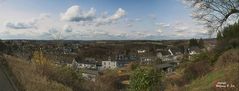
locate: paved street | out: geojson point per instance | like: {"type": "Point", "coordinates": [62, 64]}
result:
{"type": "Point", "coordinates": [5, 84]}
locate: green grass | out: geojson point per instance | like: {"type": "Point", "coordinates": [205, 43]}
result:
{"type": "Point", "coordinates": [205, 83]}
{"type": "Point", "coordinates": [225, 68]}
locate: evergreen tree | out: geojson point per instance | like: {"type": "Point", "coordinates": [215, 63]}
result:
{"type": "Point", "coordinates": [193, 43]}
{"type": "Point", "coordinates": [3, 47]}
{"type": "Point", "coordinates": [201, 43]}
{"type": "Point", "coordinates": [229, 37]}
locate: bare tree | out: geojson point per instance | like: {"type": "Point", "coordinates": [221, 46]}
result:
{"type": "Point", "coordinates": [57, 36]}
{"type": "Point", "coordinates": [215, 14]}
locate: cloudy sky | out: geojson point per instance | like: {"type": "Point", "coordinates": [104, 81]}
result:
{"type": "Point", "coordinates": [97, 20]}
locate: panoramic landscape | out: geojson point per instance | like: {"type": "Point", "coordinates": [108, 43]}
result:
{"type": "Point", "coordinates": [119, 45]}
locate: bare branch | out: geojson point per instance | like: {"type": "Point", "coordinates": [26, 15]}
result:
{"type": "Point", "coordinates": [214, 13]}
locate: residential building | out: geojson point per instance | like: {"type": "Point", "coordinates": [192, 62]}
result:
{"type": "Point", "coordinates": [119, 61]}
{"type": "Point", "coordinates": [109, 64]}
{"type": "Point", "coordinates": [87, 63]}
{"type": "Point", "coordinates": [140, 51]}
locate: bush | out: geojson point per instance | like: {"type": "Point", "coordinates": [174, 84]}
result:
{"type": "Point", "coordinates": [193, 42]}
{"type": "Point", "coordinates": [105, 82]}
{"type": "Point", "coordinates": [67, 76]}
{"type": "Point", "coordinates": [209, 56]}
{"type": "Point", "coordinates": [30, 79]}
{"type": "Point", "coordinates": [195, 70]}
{"type": "Point", "coordinates": [227, 58]}
{"type": "Point", "coordinates": [62, 74]}
{"type": "Point", "coordinates": [145, 79]}
{"type": "Point", "coordinates": [109, 81]}
{"type": "Point", "coordinates": [228, 38]}
{"type": "Point", "coordinates": [3, 47]}
{"type": "Point", "coordinates": [132, 66]}
{"type": "Point", "coordinates": [226, 69]}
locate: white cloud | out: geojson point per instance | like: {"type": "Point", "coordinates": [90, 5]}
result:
{"type": "Point", "coordinates": [75, 14]}
{"type": "Point", "coordinates": [53, 31]}
{"type": "Point", "coordinates": [159, 30]}
{"type": "Point", "coordinates": [77, 23]}
{"type": "Point", "coordinates": [71, 13]}
{"type": "Point", "coordinates": [118, 14]}
{"type": "Point", "coordinates": [161, 27]}
{"type": "Point", "coordinates": [181, 29]}
{"type": "Point", "coordinates": [67, 28]}
{"type": "Point", "coordinates": [27, 24]}
{"type": "Point", "coordinates": [131, 22]}
{"type": "Point", "coordinates": [164, 25]}
{"type": "Point", "coordinates": [19, 25]}
{"type": "Point", "coordinates": [43, 16]}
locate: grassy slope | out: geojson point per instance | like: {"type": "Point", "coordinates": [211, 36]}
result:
{"type": "Point", "coordinates": [31, 80]}
{"type": "Point", "coordinates": [227, 71]}
{"type": "Point", "coordinates": [206, 82]}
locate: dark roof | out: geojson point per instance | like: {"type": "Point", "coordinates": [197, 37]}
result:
{"type": "Point", "coordinates": [161, 66]}
{"type": "Point", "coordinates": [87, 61]}
{"type": "Point", "coordinates": [197, 49]}
{"type": "Point", "coordinates": [165, 52]}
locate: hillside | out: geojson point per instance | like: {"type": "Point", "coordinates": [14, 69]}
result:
{"type": "Point", "coordinates": [226, 69]}
{"type": "Point", "coordinates": [29, 79]}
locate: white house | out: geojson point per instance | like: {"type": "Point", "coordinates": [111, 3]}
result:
{"type": "Point", "coordinates": [146, 60]}
{"type": "Point", "coordinates": [170, 56]}
{"type": "Point", "coordinates": [193, 52]}
{"type": "Point", "coordinates": [141, 51]}
{"type": "Point", "coordinates": [85, 64]}
{"type": "Point", "coordinates": [109, 64]}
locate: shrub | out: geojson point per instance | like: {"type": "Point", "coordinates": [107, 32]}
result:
{"type": "Point", "coordinates": [105, 82]}
{"type": "Point", "coordinates": [62, 74]}
{"type": "Point", "coordinates": [227, 58]}
{"type": "Point", "coordinates": [228, 38]}
{"type": "Point", "coordinates": [109, 81]}
{"type": "Point", "coordinates": [30, 79]}
{"type": "Point", "coordinates": [145, 79]}
{"type": "Point", "coordinates": [67, 76]}
{"type": "Point", "coordinates": [193, 42]}
{"type": "Point", "coordinates": [195, 70]}
{"type": "Point", "coordinates": [132, 66]}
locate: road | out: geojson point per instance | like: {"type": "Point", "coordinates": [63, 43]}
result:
{"type": "Point", "coordinates": [5, 84]}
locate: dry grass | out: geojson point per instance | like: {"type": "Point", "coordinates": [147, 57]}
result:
{"type": "Point", "coordinates": [30, 79]}
{"type": "Point", "coordinates": [227, 58]}
{"type": "Point", "coordinates": [226, 69]}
